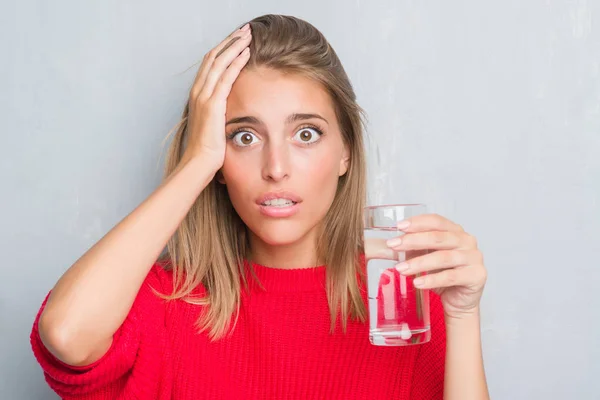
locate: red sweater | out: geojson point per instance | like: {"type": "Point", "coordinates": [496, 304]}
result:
{"type": "Point", "coordinates": [281, 348]}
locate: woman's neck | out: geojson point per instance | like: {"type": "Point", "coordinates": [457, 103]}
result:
{"type": "Point", "coordinates": [300, 254]}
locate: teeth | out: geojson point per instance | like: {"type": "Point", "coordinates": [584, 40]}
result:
{"type": "Point", "coordinates": [279, 203]}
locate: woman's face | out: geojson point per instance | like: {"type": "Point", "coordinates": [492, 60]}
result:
{"type": "Point", "coordinates": [284, 155]}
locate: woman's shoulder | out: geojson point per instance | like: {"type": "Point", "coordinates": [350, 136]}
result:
{"type": "Point", "coordinates": [150, 303]}
{"type": "Point", "coordinates": [161, 275]}
{"type": "Point", "coordinates": [163, 282]}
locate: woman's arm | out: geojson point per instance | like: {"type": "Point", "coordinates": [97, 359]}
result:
{"type": "Point", "coordinates": [92, 299]}
{"type": "Point", "coordinates": [464, 374]}
{"type": "Point", "coordinates": [455, 270]}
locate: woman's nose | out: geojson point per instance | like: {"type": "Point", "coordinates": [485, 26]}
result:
{"type": "Point", "coordinates": [276, 161]}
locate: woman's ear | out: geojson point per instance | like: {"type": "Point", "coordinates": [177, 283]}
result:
{"type": "Point", "coordinates": [345, 161]}
{"type": "Point", "coordinates": [219, 177]}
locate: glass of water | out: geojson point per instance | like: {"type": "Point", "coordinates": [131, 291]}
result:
{"type": "Point", "coordinates": [398, 312]}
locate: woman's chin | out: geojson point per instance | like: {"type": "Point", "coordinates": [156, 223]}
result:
{"type": "Point", "coordinates": [278, 238]}
{"type": "Point", "coordinates": [281, 233]}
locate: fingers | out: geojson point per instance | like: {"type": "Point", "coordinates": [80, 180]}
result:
{"type": "Point", "coordinates": [443, 279]}
{"type": "Point", "coordinates": [438, 260]}
{"type": "Point", "coordinates": [225, 43]}
{"type": "Point", "coordinates": [210, 57]}
{"type": "Point", "coordinates": [224, 85]}
{"type": "Point", "coordinates": [377, 248]}
{"type": "Point", "coordinates": [430, 222]}
{"type": "Point", "coordinates": [433, 240]}
{"type": "Point", "coordinates": [222, 62]}
{"type": "Point", "coordinates": [468, 277]}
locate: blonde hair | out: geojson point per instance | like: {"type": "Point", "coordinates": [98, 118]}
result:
{"type": "Point", "coordinates": [211, 244]}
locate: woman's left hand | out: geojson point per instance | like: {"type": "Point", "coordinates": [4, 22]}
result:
{"type": "Point", "coordinates": [454, 266]}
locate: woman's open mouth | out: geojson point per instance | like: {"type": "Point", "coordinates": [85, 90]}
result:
{"type": "Point", "coordinates": [278, 205]}
{"type": "Point", "coordinates": [279, 211]}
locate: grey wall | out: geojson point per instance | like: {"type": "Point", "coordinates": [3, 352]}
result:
{"type": "Point", "coordinates": [489, 112]}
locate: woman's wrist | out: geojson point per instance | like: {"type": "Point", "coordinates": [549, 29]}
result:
{"type": "Point", "coordinates": [465, 376]}
{"type": "Point", "coordinates": [464, 319]}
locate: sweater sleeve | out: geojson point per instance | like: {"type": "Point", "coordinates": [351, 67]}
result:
{"type": "Point", "coordinates": [137, 346]}
{"type": "Point", "coordinates": [428, 375]}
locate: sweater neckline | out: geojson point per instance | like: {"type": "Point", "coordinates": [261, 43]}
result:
{"type": "Point", "coordinates": [286, 279]}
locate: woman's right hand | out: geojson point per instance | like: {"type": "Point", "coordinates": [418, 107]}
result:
{"type": "Point", "coordinates": [208, 98]}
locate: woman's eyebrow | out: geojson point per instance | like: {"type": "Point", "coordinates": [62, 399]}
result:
{"type": "Point", "coordinates": [292, 118]}
{"type": "Point", "coordinates": [244, 120]}
{"type": "Point", "coordinates": [300, 117]}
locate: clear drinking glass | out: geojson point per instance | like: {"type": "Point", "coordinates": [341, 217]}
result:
{"type": "Point", "coordinates": [398, 312]}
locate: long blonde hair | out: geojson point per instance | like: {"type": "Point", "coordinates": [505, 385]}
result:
{"type": "Point", "coordinates": [211, 244]}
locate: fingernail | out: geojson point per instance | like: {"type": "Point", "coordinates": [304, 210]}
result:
{"type": "Point", "coordinates": [403, 224]}
{"type": "Point", "coordinates": [245, 27]}
{"type": "Point", "coordinates": [418, 282]}
{"type": "Point", "coordinates": [394, 242]}
{"type": "Point", "coordinates": [402, 267]}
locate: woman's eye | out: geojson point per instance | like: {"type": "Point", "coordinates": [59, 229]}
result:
{"type": "Point", "coordinates": [243, 138]}
{"type": "Point", "coordinates": [308, 135]}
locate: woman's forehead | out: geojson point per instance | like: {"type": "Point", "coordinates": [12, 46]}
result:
{"type": "Point", "coordinates": [265, 92]}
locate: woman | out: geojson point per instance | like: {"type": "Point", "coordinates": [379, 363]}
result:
{"type": "Point", "coordinates": [261, 292]}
